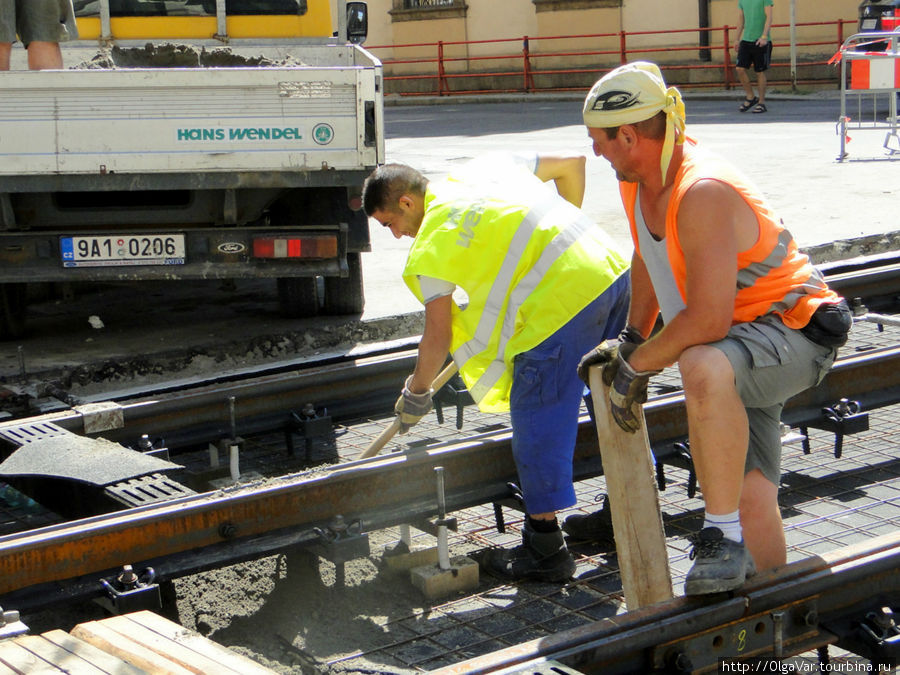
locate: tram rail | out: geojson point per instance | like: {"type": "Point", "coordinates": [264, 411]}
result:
{"type": "Point", "coordinates": [67, 561]}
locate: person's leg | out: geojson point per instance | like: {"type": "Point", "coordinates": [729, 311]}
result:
{"type": "Point", "coordinates": [7, 31]}
{"type": "Point", "coordinates": [761, 82]}
{"type": "Point", "coordinates": [44, 56]}
{"type": "Point", "coordinates": [717, 426]}
{"type": "Point", "coordinates": [744, 79]}
{"type": "Point", "coordinates": [761, 521]}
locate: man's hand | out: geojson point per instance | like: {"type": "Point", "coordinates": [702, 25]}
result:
{"type": "Point", "coordinates": [410, 407]}
{"type": "Point", "coordinates": [606, 353]}
{"type": "Point", "coordinates": [627, 392]}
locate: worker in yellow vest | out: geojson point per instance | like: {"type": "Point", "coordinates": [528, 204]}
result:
{"type": "Point", "coordinates": [746, 316]}
{"type": "Point", "coordinates": [542, 283]}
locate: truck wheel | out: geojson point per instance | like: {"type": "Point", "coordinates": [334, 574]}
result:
{"type": "Point", "coordinates": [344, 295]}
{"type": "Point", "coordinates": [12, 311]}
{"type": "Point", "coordinates": [298, 296]}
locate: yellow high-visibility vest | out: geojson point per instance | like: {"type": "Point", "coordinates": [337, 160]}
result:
{"type": "Point", "coordinates": [527, 260]}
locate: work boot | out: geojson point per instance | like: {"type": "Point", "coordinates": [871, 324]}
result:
{"type": "Point", "coordinates": [596, 526]}
{"type": "Point", "coordinates": [720, 564]}
{"type": "Point", "coordinates": [542, 556]}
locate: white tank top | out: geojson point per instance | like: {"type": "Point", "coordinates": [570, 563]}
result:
{"type": "Point", "coordinates": [656, 259]}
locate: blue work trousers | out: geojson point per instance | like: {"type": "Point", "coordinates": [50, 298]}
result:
{"type": "Point", "coordinates": [546, 398]}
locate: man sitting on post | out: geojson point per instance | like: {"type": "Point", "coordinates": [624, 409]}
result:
{"type": "Point", "coordinates": [748, 319]}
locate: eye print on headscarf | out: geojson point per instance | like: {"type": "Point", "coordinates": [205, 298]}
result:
{"type": "Point", "coordinates": [616, 100]}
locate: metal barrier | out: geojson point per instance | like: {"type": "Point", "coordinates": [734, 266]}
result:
{"type": "Point", "coordinates": [449, 65]}
{"type": "Point", "coordinates": [873, 74]}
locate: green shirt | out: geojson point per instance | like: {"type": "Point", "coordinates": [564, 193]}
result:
{"type": "Point", "coordinates": [754, 18]}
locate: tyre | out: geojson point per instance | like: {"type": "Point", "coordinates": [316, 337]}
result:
{"type": "Point", "coordinates": [344, 295]}
{"type": "Point", "coordinates": [298, 297]}
{"type": "Point", "coordinates": [13, 303]}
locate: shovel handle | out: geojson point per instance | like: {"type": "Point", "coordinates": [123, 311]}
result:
{"type": "Point", "coordinates": [442, 378]}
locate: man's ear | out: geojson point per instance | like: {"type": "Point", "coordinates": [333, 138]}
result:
{"type": "Point", "coordinates": [405, 203]}
{"type": "Point", "coordinates": [628, 135]}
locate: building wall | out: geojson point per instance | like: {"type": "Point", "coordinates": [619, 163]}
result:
{"type": "Point", "coordinates": [586, 34]}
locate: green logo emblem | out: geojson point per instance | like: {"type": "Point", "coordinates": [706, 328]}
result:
{"type": "Point", "coordinates": [323, 133]}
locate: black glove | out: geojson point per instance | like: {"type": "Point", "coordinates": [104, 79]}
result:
{"type": "Point", "coordinates": [628, 390]}
{"type": "Point", "coordinates": [605, 354]}
{"type": "Point", "coordinates": [412, 407]}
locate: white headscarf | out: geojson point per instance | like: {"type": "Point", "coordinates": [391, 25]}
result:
{"type": "Point", "coordinates": [633, 93]}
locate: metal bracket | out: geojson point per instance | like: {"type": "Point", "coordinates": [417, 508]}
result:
{"type": "Point", "coordinates": [310, 424]}
{"type": "Point", "coordinates": [10, 624]}
{"type": "Point", "coordinates": [130, 592]}
{"type": "Point", "coordinates": [766, 634]}
{"type": "Point", "coordinates": [843, 419]}
{"type": "Point", "coordinates": [341, 541]}
{"type": "Point", "coordinates": [515, 500]}
{"type": "Point", "coordinates": [454, 393]}
{"type": "Point", "coordinates": [875, 637]}
{"type": "Point", "coordinates": [681, 458]}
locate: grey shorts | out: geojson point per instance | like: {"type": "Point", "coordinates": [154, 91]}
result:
{"type": "Point", "coordinates": [771, 363]}
{"type": "Point", "coordinates": [37, 21]}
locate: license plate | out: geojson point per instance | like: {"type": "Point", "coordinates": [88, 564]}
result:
{"type": "Point", "coordinates": [122, 249]}
{"type": "Point", "coordinates": [869, 24]}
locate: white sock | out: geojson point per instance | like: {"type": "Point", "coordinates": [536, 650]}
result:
{"type": "Point", "coordinates": [729, 523]}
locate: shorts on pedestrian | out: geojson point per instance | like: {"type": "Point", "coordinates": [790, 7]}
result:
{"type": "Point", "coordinates": [771, 363]}
{"type": "Point", "coordinates": [37, 21]}
{"type": "Point", "coordinates": [750, 53]}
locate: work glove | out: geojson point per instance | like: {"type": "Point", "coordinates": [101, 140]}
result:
{"type": "Point", "coordinates": [412, 407]}
{"type": "Point", "coordinates": [627, 390]}
{"type": "Point", "coordinates": [606, 352]}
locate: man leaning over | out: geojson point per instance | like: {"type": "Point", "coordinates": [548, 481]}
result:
{"type": "Point", "coordinates": [543, 285]}
{"type": "Point", "coordinates": [748, 319]}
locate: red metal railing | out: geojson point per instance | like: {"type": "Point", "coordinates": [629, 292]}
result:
{"type": "Point", "coordinates": [524, 65]}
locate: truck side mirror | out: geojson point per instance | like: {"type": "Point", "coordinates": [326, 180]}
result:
{"type": "Point", "coordinates": [357, 22]}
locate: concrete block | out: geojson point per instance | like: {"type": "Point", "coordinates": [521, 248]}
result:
{"type": "Point", "coordinates": [437, 583]}
{"type": "Point", "coordinates": [404, 560]}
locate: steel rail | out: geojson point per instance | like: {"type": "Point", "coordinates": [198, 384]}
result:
{"type": "Point", "coordinates": [779, 613]}
{"type": "Point", "coordinates": [379, 492]}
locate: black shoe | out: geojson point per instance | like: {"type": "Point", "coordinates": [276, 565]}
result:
{"type": "Point", "coordinates": [720, 564]}
{"type": "Point", "coordinates": [542, 556]}
{"type": "Point", "coordinates": [596, 526]}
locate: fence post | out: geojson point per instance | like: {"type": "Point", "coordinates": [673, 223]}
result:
{"type": "Point", "coordinates": [442, 79]}
{"type": "Point", "coordinates": [726, 62]}
{"type": "Point", "coordinates": [623, 49]}
{"type": "Point", "coordinates": [528, 81]}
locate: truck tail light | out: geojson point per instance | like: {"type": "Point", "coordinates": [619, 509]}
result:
{"type": "Point", "coordinates": [310, 246]}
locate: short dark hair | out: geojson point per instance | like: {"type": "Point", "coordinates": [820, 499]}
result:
{"type": "Point", "coordinates": [652, 127]}
{"type": "Point", "coordinates": [386, 184]}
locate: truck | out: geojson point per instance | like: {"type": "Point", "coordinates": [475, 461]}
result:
{"type": "Point", "coordinates": [193, 139]}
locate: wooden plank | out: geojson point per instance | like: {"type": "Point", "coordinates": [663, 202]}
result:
{"type": "Point", "coordinates": [183, 655]}
{"type": "Point", "coordinates": [103, 661]}
{"type": "Point", "coordinates": [636, 518]}
{"type": "Point", "coordinates": [147, 660]}
{"type": "Point", "coordinates": [193, 640]}
{"type": "Point", "coordinates": [20, 660]}
{"type": "Point", "coordinates": [59, 657]}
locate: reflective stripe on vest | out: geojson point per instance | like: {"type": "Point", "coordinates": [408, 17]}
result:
{"type": "Point", "coordinates": [560, 244]}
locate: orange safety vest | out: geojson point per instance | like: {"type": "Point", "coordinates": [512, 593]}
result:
{"type": "Point", "coordinates": [773, 275]}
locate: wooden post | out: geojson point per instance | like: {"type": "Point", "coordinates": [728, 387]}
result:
{"type": "Point", "coordinates": [636, 518]}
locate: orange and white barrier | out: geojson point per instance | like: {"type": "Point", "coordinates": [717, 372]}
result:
{"type": "Point", "coordinates": [875, 71]}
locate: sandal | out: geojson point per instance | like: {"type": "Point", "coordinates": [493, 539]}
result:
{"type": "Point", "coordinates": [761, 108]}
{"type": "Point", "coordinates": [748, 103]}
